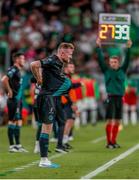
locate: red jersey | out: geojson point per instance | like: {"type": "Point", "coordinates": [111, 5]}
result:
{"type": "Point", "coordinates": [78, 91]}
{"type": "Point", "coordinates": [89, 85]}
{"type": "Point", "coordinates": [130, 96]}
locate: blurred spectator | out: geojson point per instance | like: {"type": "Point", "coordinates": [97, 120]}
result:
{"type": "Point", "coordinates": [74, 14]}
{"type": "Point", "coordinates": [97, 7]}
{"type": "Point", "coordinates": [134, 68]}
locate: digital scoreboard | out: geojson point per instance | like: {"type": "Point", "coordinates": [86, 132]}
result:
{"type": "Point", "coordinates": [114, 28]}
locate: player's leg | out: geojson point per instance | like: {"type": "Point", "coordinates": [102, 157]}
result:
{"type": "Point", "coordinates": [117, 118]}
{"type": "Point", "coordinates": [44, 145]}
{"type": "Point", "coordinates": [109, 124]}
{"type": "Point", "coordinates": [61, 125]}
{"type": "Point", "coordinates": [93, 110]}
{"type": "Point", "coordinates": [84, 112]}
{"type": "Point", "coordinates": [17, 130]}
{"type": "Point", "coordinates": [46, 111]}
{"type": "Point", "coordinates": [55, 132]}
{"type": "Point", "coordinates": [10, 133]}
{"type": "Point", "coordinates": [115, 131]}
{"type": "Point", "coordinates": [125, 114]}
{"type": "Point", "coordinates": [133, 114]}
{"type": "Point", "coordinates": [11, 124]}
{"type": "Point", "coordinates": [38, 132]}
{"type": "Point", "coordinates": [77, 117]}
{"type": "Point", "coordinates": [69, 124]}
{"type": "Point", "coordinates": [71, 134]}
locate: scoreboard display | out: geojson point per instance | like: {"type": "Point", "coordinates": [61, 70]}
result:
{"type": "Point", "coordinates": [114, 28]}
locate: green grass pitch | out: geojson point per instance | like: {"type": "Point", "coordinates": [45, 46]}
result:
{"type": "Point", "coordinates": [84, 158]}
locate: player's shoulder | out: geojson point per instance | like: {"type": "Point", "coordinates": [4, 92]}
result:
{"type": "Point", "coordinates": [12, 69]}
{"type": "Point", "coordinates": [49, 59]}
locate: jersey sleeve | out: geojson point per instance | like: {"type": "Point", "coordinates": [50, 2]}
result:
{"type": "Point", "coordinates": [46, 62]}
{"type": "Point", "coordinates": [126, 61]}
{"type": "Point", "coordinates": [101, 60]}
{"type": "Point", "coordinates": [11, 72]}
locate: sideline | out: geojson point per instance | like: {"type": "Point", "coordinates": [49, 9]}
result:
{"type": "Point", "coordinates": [98, 139]}
{"type": "Point", "coordinates": [29, 165]}
{"type": "Point", "coordinates": [36, 162]}
{"type": "Point", "coordinates": [111, 162]}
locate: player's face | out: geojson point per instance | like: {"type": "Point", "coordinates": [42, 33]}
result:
{"type": "Point", "coordinates": [66, 54]}
{"type": "Point", "coordinates": [71, 68]}
{"type": "Point", "coordinates": [114, 63]}
{"type": "Point", "coordinates": [21, 61]}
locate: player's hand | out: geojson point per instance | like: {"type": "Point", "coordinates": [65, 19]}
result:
{"type": "Point", "coordinates": [129, 43]}
{"type": "Point", "coordinates": [98, 42]}
{"type": "Point", "coordinates": [10, 94]}
{"type": "Point", "coordinates": [39, 81]}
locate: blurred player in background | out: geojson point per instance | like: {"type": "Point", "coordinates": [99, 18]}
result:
{"type": "Point", "coordinates": [79, 99]}
{"type": "Point", "coordinates": [130, 104]}
{"type": "Point", "coordinates": [53, 84]}
{"type": "Point", "coordinates": [114, 75]}
{"type": "Point", "coordinates": [90, 101]}
{"type": "Point", "coordinates": [12, 83]}
{"type": "Point", "coordinates": [68, 105]}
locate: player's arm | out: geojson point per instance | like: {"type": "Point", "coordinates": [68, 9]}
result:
{"type": "Point", "coordinates": [36, 70]}
{"type": "Point", "coordinates": [127, 57]}
{"type": "Point", "coordinates": [5, 82]}
{"type": "Point", "coordinates": [101, 59]}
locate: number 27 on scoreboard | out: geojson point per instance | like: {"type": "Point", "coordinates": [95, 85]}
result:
{"type": "Point", "coordinates": [113, 31]}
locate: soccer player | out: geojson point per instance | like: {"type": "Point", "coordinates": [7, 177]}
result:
{"type": "Point", "coordinates": [130, 104]}
{"type": "Point", "coordinates": [90, 102]}
{"type": "Point", "coordinates": [53, 84]}
{"type": "Point", "coordinates": [12, 82]}
{"type": "Point", "coordinates": [114, 75]}
{"type": "Point", "coordinates": [69, 107]}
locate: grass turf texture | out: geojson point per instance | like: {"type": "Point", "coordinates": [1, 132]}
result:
{"type": "Point", "coordinates": [85, 157]}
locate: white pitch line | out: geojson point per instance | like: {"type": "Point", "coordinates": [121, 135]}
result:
{"type": "Point", "coordinates": [98, 139]}
{"type": "Point", "coordinates": [110, 163]}
{"type": "Point", "coordinates": [51, 157]}
{"type": "Point", "coordinates": [35, 162]}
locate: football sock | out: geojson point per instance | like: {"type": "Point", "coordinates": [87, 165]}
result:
{"type": "Point", "coordinates": [133, 118]}
{"type": "Point", "coordinates": [115, 132]}
{"type": "Point", "coordinates": [10, 133]}
{"type": "Point", "coordinates": [108, 132]}
{"type": "Point", "coordinates": [17, 134]}
{"type": "Point", "coordinates": [60, 135]}
{"type": "Point", "coordinates": [65, 139]}
{"type": "Point", "coordinates": [44, 143]}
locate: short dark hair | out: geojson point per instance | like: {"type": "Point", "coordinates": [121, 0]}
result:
{"type": "Point", "coordinates": [16, 55]}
